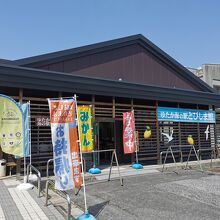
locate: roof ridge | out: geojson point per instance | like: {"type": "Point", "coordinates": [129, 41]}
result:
{"type": "Point", "coordinates": [58, 56]}
{"type": "Point", "coordinates": [28, 60]}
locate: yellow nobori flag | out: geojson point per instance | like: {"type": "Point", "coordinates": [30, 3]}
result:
{"type": "Point", "coordinates": [85, 128]}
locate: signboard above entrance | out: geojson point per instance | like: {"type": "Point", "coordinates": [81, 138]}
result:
{"type": "Point", "coordinates": [185, 115]}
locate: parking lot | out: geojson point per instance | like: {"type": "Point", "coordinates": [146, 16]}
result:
{"type": "Point", "coordinates": [188, 195]}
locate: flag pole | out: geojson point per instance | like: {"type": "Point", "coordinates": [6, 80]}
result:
{"type": "Point", "coordinates": [136, 165]}
{"type": "Point", "coordinates": [25, 185]}
{"type": "Point", "coordinates": [94, 170]}
{"type": "Point", "coordinates": [29, 116]}
{"type": "Point", "coordinates": [32, 177]}
{"type": "Point", "coordinates": [86, 215]}
{"type": "Point", "coordinates": [135, 140]}
{"type": "Point", "coordinates": [25, 174]}
{"type": "Point", "coordinates": [83, 176]}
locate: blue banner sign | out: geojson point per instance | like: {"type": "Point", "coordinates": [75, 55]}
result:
{"type": "Point", "coordinates": [185, 115]}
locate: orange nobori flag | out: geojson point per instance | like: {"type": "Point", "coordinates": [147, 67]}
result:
{"type": "Point", "coordinates": [62, 111]}
{"type": "Point", "coordinates": [74, 149]}
{"type": "Point", "coordinates": [67, 168]}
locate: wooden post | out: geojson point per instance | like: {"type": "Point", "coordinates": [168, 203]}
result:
{"type": "Point", "coordinates": [158, 136]}
{"type": "Point", "coordinates": [215, 132]}
{"type": "Point", "coordinates": [132, 104]}
{"type": "Point", "coordinates": [179, 138]}
{"type": "Point", "coordinates": [96, 137]}
{"type": "Point", "coordinates": [113, 107]}
{"type": "Point", "coordinates": [198, 133]}
{"type": "Point", "coordinates": [212, 130]}
{"type": "Point", "coordinates": [93, 107]}
{"type": "Point", "coordinates": [60, 94]}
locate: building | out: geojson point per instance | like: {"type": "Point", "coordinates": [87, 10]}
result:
{"type": "Point", "coordinates": [210, 73]}
{"type": "Point", "coordinates": [114, 77]}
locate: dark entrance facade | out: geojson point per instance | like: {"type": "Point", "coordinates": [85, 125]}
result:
{"type": "Point", "coordinates": [106, 140]}
{"type": "Point", "coordinates": [110, 136]}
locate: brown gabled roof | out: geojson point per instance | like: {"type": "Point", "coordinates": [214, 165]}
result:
{"type": "Point", "coordinates": [4, 61]}
{"type": "Point", "coordinates": [59, 56]}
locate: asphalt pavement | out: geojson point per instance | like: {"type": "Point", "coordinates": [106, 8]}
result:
{"type": "Point", "coordinates": [187, 195]}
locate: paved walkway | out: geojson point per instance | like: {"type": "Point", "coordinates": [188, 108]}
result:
{"type": "Point", "coordinates": [15, 204]}
{"type": "Point", "coordinates": [18, 205]}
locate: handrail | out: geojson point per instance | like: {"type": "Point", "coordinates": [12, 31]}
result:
{"type": "Point", "coordinates": [63, 194]}
{"type": "Point", "coordinates": [205, 149]}
{"type": "Point", "coordinates": [48, 162]}
{"type": "Point", "coordinates": [212, 149]}
{"type": "Point", "coordinates": [38, 176]}
{"type": "Point", "coordinates": [97, 151]}
{"type": "Point", "coordinates": [181, 145]}
{"type": "Point", "coordinates": [175, 151]}
{"type": "Point", "coordinates": [169, 149]}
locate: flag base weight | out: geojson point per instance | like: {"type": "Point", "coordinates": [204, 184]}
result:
{"type": "Point", "coordinates": [32, 177]}
{"type": "Point", "coordinates": [137, 166]}
{"type": "Point", "coordinates": [25, 186]}
{"type": "Point", "coordinates": [94, 170]}
{"type": "Point", "coordinates": [86, 216]}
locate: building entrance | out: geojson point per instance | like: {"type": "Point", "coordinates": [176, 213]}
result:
{"type": "Point", "coordinates": [106, 140]}
{"type": "Point", "coordinates": [110, 136]}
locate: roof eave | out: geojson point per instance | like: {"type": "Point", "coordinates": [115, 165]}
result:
{"type": "Point", "coordinates": [27, 78]}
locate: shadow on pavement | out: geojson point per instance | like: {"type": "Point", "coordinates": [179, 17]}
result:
{"type": "Point", "coordinates": [95, 210]}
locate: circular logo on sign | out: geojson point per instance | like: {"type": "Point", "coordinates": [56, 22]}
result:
{"type": "Point", "coordinates": [18, 134]}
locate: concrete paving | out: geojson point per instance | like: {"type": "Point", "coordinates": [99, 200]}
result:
{"type": "Point", "coordinates": [146, 194]}
{"type": "Point", "coordinates": [23, 205]}
{"type": "Point", "coordinates": [188, 195]}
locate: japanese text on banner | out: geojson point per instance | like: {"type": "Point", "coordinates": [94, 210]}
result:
{"type": "Point", "coordinates": [129, 132]}
{"type": "Point", "coordinates": [185, 115]}
{"type": "Point", "coordinates": [65, 146]}
{"type": "Point", "coordinates": [85, 128]}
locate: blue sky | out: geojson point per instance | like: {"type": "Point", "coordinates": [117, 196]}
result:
{"type": "Point", "coordinates": [188, 30]}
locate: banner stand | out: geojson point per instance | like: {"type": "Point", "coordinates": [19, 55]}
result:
{"type": "Point", "coordinates": [25, 185]}
{"type": "Point", "coordinates": [110, 169]}
{"type": "Point", "coordinates": [86, 215]}
{"type": "Point", "coordinates": [32, 177]}
{"type": "Point", "coordinates": [94, 169]}
{"type": "Point", "coordinates": [136, 165]}
{"type": "Point", "coordinates": [114, 155]}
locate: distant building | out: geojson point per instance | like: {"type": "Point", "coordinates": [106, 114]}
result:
{"type": "Point", "coordinates": [209, 73]}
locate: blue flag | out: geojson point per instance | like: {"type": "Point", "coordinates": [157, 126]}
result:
{"type": "Point", "coordinates": [26, 124]}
